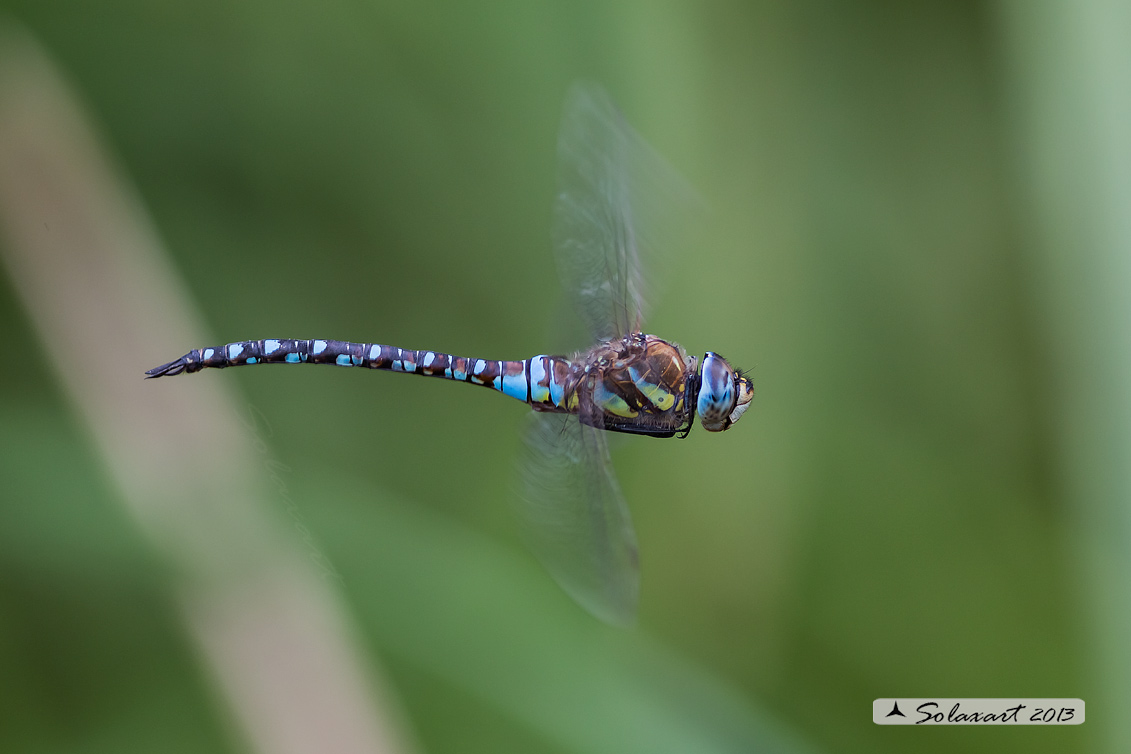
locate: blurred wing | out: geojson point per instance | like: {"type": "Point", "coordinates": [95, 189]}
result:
{"type": "Point", "coordinates": [575, 517]}
{"type": "Point", "coordinates": [614, 192]}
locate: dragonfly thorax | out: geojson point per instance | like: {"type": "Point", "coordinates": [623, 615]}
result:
{"type": "Point", "coordinates": [639, 384]}
{"type": "Point", "coordinates": [724, 394]}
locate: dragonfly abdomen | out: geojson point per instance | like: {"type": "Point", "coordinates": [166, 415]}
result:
{"type": "Point", "coordinates": [542, 381]}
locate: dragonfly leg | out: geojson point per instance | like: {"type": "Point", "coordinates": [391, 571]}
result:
{"type": "Point", "coordinates": [610, 425]}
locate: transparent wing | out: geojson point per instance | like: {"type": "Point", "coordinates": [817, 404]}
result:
{"type": "Point", "coordinates": [575, 517]}
{"type": "Point", "coordinates": [616, 201]}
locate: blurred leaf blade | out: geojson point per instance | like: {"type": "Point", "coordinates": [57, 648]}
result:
{"type": "Point", "coordinates": [492, 623]}
{"type": "Point", "coordinates": [1071, 110]}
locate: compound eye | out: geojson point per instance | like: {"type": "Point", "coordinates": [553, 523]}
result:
{"type": "Point", "coordinates": [717, 393]}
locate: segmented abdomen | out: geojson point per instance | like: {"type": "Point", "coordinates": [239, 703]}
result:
{"type": "Point", "coordinates": [542, 381]}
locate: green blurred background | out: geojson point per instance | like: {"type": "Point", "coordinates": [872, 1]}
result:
{"type": "Point", "coordinates": [914, 242]}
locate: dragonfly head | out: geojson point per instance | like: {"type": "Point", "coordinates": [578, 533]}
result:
{"type": "Point", "coordinates": [724, 394]}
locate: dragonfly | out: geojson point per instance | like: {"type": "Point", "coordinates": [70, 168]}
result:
{"type": "Point", "coordinates": [626, 381]}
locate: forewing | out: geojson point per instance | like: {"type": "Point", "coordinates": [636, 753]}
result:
{"type": "Point", "coordinates": [575, 517]}
{"type": "Point", "coordinates": [617, 199]}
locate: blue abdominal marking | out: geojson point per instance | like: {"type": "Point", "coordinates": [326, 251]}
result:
{"type": "Point", "coordinates": [538, 392]}
{"type": "Point", "coordinates": [514, 385]}
{"type": "Point", "coordinates": [234, 351]}
{"type": "Point", "coordinates": [557, 392]}
{"type": "Point", "coordinates": [478, 376]}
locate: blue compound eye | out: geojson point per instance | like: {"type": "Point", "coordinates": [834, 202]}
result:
{"type": "Point", "coordinates": [724, 395]}
{"type": "Point", "coordinates": [717, 394]}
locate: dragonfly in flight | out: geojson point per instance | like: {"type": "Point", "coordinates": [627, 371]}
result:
{"type": "Point", "coordinates": [626, 381]}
